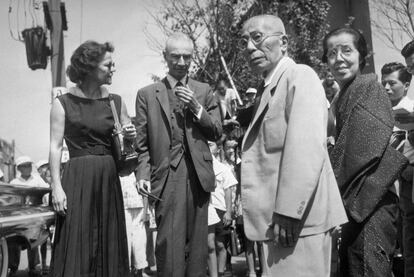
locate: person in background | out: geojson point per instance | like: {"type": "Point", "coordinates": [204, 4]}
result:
{"type": "Point", "coordinates": [24, 166]}
{"type": "Point", "coordinates": [290, 197]}
{"type": "Point", "coordinates": [44, 172]}
{"type": "Point", "coordinates": [151, 232]}
{"type": "Point", "coordinates": [407, 188]}
{"type": "Point", "coordinates": [249, 97]}
{"type": "Point", "coordinates": [396, 81]}
{"type": "Point", "coordinates": [220, 214]}
{"type": "Point", "coordinates": [365, 164]}
{"type": "Point", "coordinates": [175, 118]}
{"type": "Point", "coordinates": [232, 160]}
{"type": "Point", "coordinates": [90, 236]}
{"type": "Point", "coordinates": [408, 53]}
{"type": "Point", "coordinates": [227, 99]}
{"type": "Point", "coordinates": [330, 86]}
{"type": "Point", "coordinates": [135, 217]}
{"type": "Point", "coordinates": [1, 176]}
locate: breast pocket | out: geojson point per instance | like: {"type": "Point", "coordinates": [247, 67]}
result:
{"type": "Point", "coordinates": [274, 133]}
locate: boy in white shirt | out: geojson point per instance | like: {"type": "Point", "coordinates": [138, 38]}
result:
{"type": "Point", "coordinates": [219, 215]}
{"type": "Point", "coordinates": [396, 81]}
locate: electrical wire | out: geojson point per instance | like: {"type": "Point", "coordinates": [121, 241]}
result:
{"type": "Point", "coordinates": [17, 21]}
{"type": "Point", "coordinates": [36, 7]}
{"type": "Point", "coordinates": [81, 22]}
{"type": "Point", "coordinates": [31, 12]}
{"type": "Point", "coordinates": [16, 38]}
{"type": "Point", "coordinates": [25, 12]}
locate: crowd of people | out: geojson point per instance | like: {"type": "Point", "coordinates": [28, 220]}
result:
{"type": "Point", "coordinates": [306, 171]}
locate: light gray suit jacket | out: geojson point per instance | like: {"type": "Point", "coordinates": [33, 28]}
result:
{"type": "Point", "coordinates": [285, 164]}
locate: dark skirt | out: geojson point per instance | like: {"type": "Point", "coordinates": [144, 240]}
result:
{"type": "Point", "coordinates": [91, 239]}
{"type": "Point", "coordinates": [367, 248]}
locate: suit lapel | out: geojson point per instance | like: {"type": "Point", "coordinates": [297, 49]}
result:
{"type": "Point", "coordinates": [267, 95]}
{"type": "Point", "coordinates": [162, 97]}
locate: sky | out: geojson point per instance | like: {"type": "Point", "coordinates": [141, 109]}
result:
{"type": "Point", "coordinates": [25, 94]}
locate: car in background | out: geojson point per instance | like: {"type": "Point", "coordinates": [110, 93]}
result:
{"type": "Point", "coordinates": [24, 220]}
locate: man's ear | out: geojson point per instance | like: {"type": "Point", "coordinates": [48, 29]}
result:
{"type": "Point", "coordinates": [406, 87]}
{"type": "Point", "coordinates": [284, 43]}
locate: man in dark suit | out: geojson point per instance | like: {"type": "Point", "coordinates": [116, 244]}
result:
{"type": "Point", "coordinates": [175, 118]}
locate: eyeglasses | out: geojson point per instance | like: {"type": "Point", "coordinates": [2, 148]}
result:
{"type": "Point", "coordinates": [344, 50]}
{"type": "Point", "coordinates": [256, 38]}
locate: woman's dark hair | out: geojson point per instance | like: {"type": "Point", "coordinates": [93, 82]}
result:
{"type": "Point", "coordinates": [359, 42]}
{"type": "Point", "coordinates": [86, 58]}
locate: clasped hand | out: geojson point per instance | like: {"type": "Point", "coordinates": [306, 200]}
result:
{"type": "Point", "coordinates": [129, 131]}
{"type": "Point", "coordinates": [186, 95]}
{"type": "Point", "coordinates": [286, 230]}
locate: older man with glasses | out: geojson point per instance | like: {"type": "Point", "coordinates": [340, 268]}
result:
{"type": "Point", "coordinates": [290, 197]}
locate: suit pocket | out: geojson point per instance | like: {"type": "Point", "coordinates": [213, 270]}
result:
{"type": "Point", "coordinates": [274, 133]}
{"type": "Point", "coordinates": [207, 156]}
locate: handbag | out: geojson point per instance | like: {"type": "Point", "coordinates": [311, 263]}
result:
{"type": "Point", "coordinates": [125, 156]}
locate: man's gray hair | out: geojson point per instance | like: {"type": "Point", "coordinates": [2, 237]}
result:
{"type": "Point", "coordinates": [178, 36]}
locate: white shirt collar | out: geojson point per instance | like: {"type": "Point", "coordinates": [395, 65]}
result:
{"type": "Point", "coordinates": [23, 181]}
{"type": "Point", "coordinates": [269, 77]}
{"type": "Point", "coordinates": [405, 103]}
{"type": "Point", "coordinates": [173, 82]}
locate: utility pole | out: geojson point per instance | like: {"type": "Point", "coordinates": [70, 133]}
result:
{"type": "Point", "coordinates": [57, 19]}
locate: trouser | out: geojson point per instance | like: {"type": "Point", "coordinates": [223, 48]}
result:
{"type": "Point", "coordinates": [309, 257]}
{"type": "Point", "coordinates": [407, 208]}
{"type": "Point", "coordinates": [181, 246]}
{"type": "Point", "coordinates": [367, 248]}
{"type": "Point", "coordinates": [14, 251]}
{"type": "Point", "coordinates": [137, 238]}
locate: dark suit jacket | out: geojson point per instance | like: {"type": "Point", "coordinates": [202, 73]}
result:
{"type": "Point", "coordinates": [154, 134]}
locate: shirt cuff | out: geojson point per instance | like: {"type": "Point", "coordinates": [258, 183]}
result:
{"type": "Point", "coordinates": [200, 111]}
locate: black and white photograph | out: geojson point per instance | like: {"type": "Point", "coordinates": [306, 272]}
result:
{"type": "Point", "coordinates": [207, 138]}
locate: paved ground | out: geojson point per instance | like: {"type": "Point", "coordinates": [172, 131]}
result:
{"type": "Point", "coordinates": [238, 264]}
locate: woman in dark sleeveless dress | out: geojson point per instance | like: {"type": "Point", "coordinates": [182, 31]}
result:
{"type": "Point", "coordinates": [90, 238]}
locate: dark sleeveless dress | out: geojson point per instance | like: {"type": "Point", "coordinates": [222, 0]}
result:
{"type": "Point", "coordinates": [91, 239]}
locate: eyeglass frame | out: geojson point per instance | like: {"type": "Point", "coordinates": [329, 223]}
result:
{"type": "Point", "coordinates": [343, 53]}
{"type": "Point", "coordinates": [256, 43]}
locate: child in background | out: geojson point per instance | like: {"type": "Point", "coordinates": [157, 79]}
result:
{"type": "Point", "coordinates": [135, 217]}
{"type": "Point", "coordinates": [219, 216]}
{"type": "Point", "coordinates": [232, 160]}
{"type": "Point", "coordinates": [44, 172]}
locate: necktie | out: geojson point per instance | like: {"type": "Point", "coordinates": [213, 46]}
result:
{"type": "Point", "coordinates": [179, 84]}
{"type": "Point", "coordinates": [180, 104]}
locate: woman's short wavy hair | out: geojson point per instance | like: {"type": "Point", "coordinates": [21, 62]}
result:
{"type": "Point", "coordinates": [359, 43]}
{"type": "Point", "coordinates": [86, 58]}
